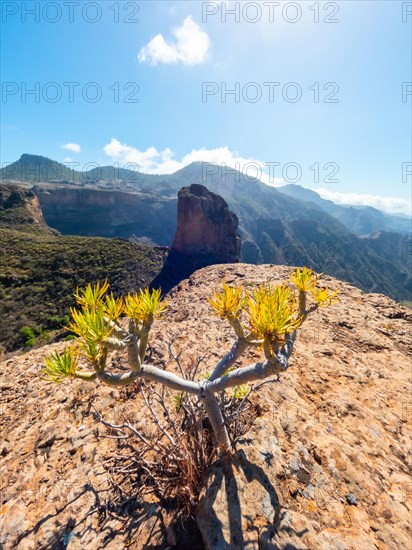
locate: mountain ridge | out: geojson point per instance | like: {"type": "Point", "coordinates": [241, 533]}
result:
{"type": "Point", "coordinates": [360, 220]}
{"type": "Point", "coordinates": [140, 180]}
{"type": "Point", "coordinates": [274, 227]}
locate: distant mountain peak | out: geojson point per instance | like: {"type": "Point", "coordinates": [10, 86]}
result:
{"type": "Point", "coordinates": [35, 169]}
{"type": "Point", "coordinates": [25, 157]}
{"type": "Point", "coordinates": [361, 220]}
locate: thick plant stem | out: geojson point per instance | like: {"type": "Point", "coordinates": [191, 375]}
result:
{"type": "Point", "coordinates": [251, 373]}
{"type": "Point", "coordinates": [149, 372]}
{"type": "Point", "coordinates": [133, 355]}
{"type": "Point", "coordinates": [85, 375]}
{"type": "Point", "coordinates": [237, 327]}
{"type": "Point", "coordinates": [117, 380]}
{"type": "Point", "coordinates": [302, 303]}
{"type": "Point", "coordinates": [231, 357]}
{"type": "Point", "coordinates": [143, 341]}
{"type": "Point", "coordinates": [216, 419]}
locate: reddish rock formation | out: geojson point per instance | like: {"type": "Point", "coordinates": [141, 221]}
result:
{"type": "Point", "coordinates": [108, 213]}
{"type": "Point", "coordinates": [205, 226]}
{"type": "Point", "coordinates": [206, 234]}
{"type": "Point", "coordinates": [20, 207]}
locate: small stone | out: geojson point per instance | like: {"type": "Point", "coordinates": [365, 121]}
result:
{"type": "Point", "coordinates": [5, 449]}
{"type": "Point", "coordinates": [293, 488]}
{"type": "Point", "coordinates": [259, 410]}
{"type": "Point", "coordinates": [351, 499]}
{"type": "Point", "coordinates": [316, 456]}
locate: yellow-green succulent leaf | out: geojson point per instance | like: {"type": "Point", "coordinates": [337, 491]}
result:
{"type": "Point", "coordinates": [59, 366]}
{"type": "Point", "coordinates": [91, 295]}
{"type": "Point", "coordinates": [304, 279]}
{"type": "Point", "coordinates": [113, 307]}
{"type": "Point", "coordinates": [178, 399]}
{"type": "Point", "coordinates": [229, 302]}
{"type": "Point", "coordinates": [323, 297]}
{"type": "Point", "coordinates": [240, 392]}
{"type": "Point", "coordinates": [91, 351]}
{"type": "Point", "coordinates": [272, 313]}
{"type": "Point", "coordinates": [145, 306]}
{"type": "Point", "coordinates": [91, 324]}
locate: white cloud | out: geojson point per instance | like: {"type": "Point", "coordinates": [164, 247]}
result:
{"type": "Point", "coordinates": [191, 46]}
{"type": "Point", "coordinates": [150, 161]}
{"type": "Point", "coordinates": [153, 161]}
{"type": "Point", "coordinates": [74, 147]}
{"type": "Point", "coordinates": [67, 159]}
{"type": "Point", "coordinates": [392, 205]}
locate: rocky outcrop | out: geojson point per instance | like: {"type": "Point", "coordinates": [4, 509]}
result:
{"type": "Point", "coordinates": [20, 209]}
{"type": "Point", "coordinates": [206, 234]}
{"type": "Point", "coordinates": [92, 212]}
{"type": "Point", "coordinates": [325, 465]}
{"type": "Point", "coordinates": [206, 228]}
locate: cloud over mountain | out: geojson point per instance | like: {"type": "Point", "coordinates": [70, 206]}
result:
{"type": "Point", "coordinates": [393, 205]}
{"type": "Point", "coordinates": [153, 161]}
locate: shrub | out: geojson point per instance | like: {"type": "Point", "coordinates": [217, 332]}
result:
{"type": "Point", "coordinates": [28, 335]}
{"type": "Point", "coordinates": [191, 417]}
{"type": "Point", "coordinates": [35, 290]}
{"type": "Point", "coordinates": [266, 318]}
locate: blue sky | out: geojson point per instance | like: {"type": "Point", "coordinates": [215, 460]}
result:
{"type": "Point", "coordinates": [317, 89]}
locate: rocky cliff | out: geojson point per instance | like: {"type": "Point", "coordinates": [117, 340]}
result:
{"type": "Point", "coordinates": [325, 464]}
{"type": "Point", "coordinates": [20, 208]}
{"type": "Point", "coordinates": [206, 228]}
{"type": "Point", "coordinates": [206, 234]}
{"type": "Point", "coordinates": [40, 268]}
{"type": "Point", "coordinates": [91, 212]}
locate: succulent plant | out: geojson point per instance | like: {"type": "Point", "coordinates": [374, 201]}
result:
{"type": "Point", "coordinates": [267, 317]}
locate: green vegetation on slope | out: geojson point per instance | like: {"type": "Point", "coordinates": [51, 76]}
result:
{"type": "Point", "coordinates": [35, 168]}
{"type": "Point", "coordinates": [20, 210]}
{"type": "Point", "coordinates": [39, 273]}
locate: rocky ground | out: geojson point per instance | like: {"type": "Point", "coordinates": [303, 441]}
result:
{"type": "Point", "coordinates": [325, 465]}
